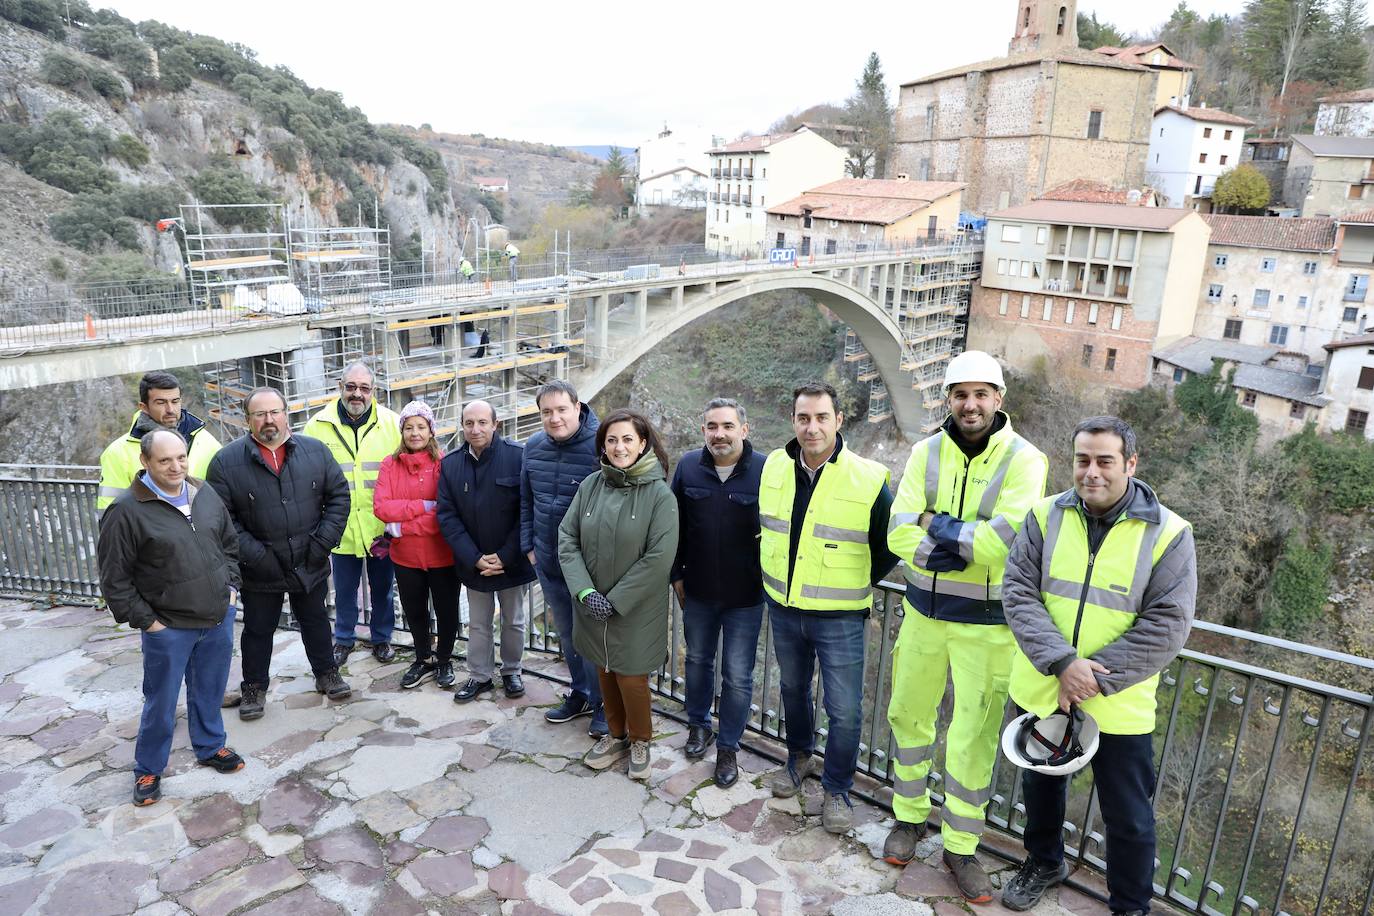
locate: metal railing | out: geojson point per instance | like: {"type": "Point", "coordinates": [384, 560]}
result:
{"type": "Point", "coordinates": [1265, 799]}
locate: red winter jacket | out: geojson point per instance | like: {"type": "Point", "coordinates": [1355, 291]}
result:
{"type": "Point", "coordinates": [403, 484]}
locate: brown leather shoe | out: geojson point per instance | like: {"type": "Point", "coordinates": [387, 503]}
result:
{"type": "Point", "coordinates": [969, 875]}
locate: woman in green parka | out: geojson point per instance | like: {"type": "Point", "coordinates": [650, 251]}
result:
{"type": "Point", "coordinates": [616, 546]}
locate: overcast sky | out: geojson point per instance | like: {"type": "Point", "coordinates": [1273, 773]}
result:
{"type": "Point", "coordinates": [611, 71]}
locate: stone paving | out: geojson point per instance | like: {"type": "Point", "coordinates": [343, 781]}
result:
{"type": "Point", "coordinates": [398, 802]}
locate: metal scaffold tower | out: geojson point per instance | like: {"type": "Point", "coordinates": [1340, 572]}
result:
{"type": "Point", "coordinates": [243, 269]}
{"type": "Point", "coordinates": [339, 263]}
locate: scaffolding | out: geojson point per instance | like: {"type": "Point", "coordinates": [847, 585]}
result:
{"type": "Point", "coordinates": [341, 264]}
{"type": "Point", "coordinates": [225, 269]}
{"type": "Point", "coordinates": [879, 406]}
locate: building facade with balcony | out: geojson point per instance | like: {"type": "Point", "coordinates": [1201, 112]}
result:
{"type": "Point", "coordinates": [744, 175]}
{"type": "Point", "coordinates": [1329, 176]}
{"type": "Point", "coordinates": [1189, 147]}
{"type": "Point", "coordinates": [1279, 283]}
{"type": "Point", "coordinates": [1047, 113]}
{"type": "Point", "coordinates": [1094, 288]}
{"type": "Point", "coordinates": [856, 214]}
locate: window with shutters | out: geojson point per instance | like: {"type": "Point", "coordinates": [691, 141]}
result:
{"type": "Point", "coordinates": [1366, 381]}
{"type": "Point", "coordinates": [1087, 354]}
{"type": "Point", "coordinates": [1094, 124]}
{"type": "Point", "coordinates": [1232, 331]}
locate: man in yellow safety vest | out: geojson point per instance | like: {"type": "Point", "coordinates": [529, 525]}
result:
{"type": "Point", "coordinates": [963, 496]}
{"type": "Point", "coordinates": [823, 513]}
{"type": "Point", "coordinates": [360, 433]}
{"type": "Point", "coordinates": [1099, 591]}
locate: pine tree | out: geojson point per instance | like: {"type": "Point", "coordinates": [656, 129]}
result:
{"type": "Point", "coordinates": [870, 113]}
{"type": "Point", "coordinates": [1340, 55]}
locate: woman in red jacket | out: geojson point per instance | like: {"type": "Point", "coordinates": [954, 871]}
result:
{"type": "Point", "coordinates": [405, 498]}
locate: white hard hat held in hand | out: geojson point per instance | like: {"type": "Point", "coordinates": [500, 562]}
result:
{"type": "Point", "coordinates": [1057, 745]}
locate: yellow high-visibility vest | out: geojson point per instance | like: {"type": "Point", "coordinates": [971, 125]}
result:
{"type": "Point", "coordinates": [380, 437]}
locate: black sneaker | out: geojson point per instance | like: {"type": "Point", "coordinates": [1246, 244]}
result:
{"type": "Point", "coordinates": [147, 789]}
{"type": "Point", "coordinates": [444, 676]}
{"type": "Point", "coordinates": [253, 702]}
{"type": "Point", "coordinates": [333, 686]}
{"type": "Point", "coordinates": [573, 705]}
{"type": "Point", "coordinates": [417, 674]}
{"type": "Point", "coordinates": [1030, 883]}
{"type": "Point", "coordinates": [383, 652]}
{"type": "Point", "coordinates": [471, 690]}
{"type": "Point", "coordinates": [341, 655]}
{"type": "Point", "coordinates": [224, 760]}
{"type": "Point", "coordinates": [513, 685]}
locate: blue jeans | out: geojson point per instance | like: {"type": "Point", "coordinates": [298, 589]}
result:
{"type": "Point", "coordinates": [704, 624]}
{"type": "Point", "coordinates": [799, 640]}
{"type": "Point", "coordinates": [348, 573]}
{"type": "Point", "coordinates": [581, 672]}
{"type": "Point", "coordinates": [200, 657]}
{"type": "Point", "coordinates": [1124, 777]}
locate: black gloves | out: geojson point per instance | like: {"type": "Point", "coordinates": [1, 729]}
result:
{"type": "Point", "coordinates": [598, 606]}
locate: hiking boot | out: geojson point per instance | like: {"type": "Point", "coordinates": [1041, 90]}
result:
{"type": "Point", "coordinates": [727, 771]}
{"type": "Point", "coordinates": [1030, 883]}
{"type": "Point", "coordinates": [416, 674]}
{"type": "Point", "coordinates": [699, 738]}
{"type": "Point", "coordinates": [573, 705]}
{"type": "Point", "coordinates": [444, 676]}
{"type": "Point", "coordinates": [787, 781]}
{"type": "Point", "coordinates": [252, 703]}
{"type": "Point", "coordinates": [900, 846]}
{"type": "Point", "coordinates": [470, 690]}
{"type": "Point", "coordinates": [147, 789]}
{"type": "Point", "coordinates": [838, 814]}
{"type": "Point", "coordinates": [513, 685]}
{"type": "Point", "coordinates": [639, 760]}
{"type": "Point", "coordinates": [598, 727]}
{"type": "Point", "coordinates": [341, 654]}
{"type": "Point", "coordinates": [224, 760]}
{"type": "Point", "coordinates": [969, 875]}
{"type": "Point", "coordinates": [333, 686]}
{"type": "Point", "coordinates": [606, 752]}
{"type": "Point", "coordinates": [383, 652]}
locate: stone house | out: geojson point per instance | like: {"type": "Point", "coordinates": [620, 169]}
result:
{"type": "Point", "coordinates": [1047, 113]}
{"type": "Point", "coordinates": [1329, 176]}
{"type": "Point", "coordinates": [1346, 114]}
{"type": "Point", "coordinates": [1095, 288]}
{"type": "Point", "coordinates": [1175, 76]}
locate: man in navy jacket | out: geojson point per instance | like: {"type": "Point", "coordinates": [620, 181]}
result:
{"type": "Point", "coordinates": [479, 515]}
{"type": "Point", "coordinates": [557, 459]}
{"type": "Point", "coordinates": [718, 580]}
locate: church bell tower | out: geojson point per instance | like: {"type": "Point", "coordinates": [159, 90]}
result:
{"type": "Point", "coordinates": [1044, 25]}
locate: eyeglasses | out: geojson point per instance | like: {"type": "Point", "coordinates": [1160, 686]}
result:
{"type": "Point", "coordinates": [267, 414]}
{"type": "Point", "coordinates": [361, 389]}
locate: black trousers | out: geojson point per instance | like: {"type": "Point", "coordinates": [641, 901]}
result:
{"type": "Point", "coordinates": [262, 610]}
{"type": "Point", "coordinates": [417, 587]}
{"type": "Point", "coordinates": [1124, 774]}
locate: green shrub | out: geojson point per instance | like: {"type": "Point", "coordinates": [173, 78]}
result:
{"type": "Point", "coordinates": [1298, 588]}
{"type": "Point", "coordinates": [60, 151]}
{"type": "Point", "coordinates": [223, 183]}
{"type": "Point", "coordinates": [176, 68]}
{"type": "Point", "coordinates": [129, 150]}
{"type": "Point", "coordinates": [130, 270]}
{"type": "Point", "coordinates": [57, 268]}
{"type": "Point", "coordinates": [93, 221]}
{"type": "Point", "coordinates": [62, 70]}
{"type": "Point", "coordinates": [1337, 472]}
{"type": "Point", "coordinates": [102, 39]}
{"type": "Point", "coordinates": [1211, 399]}
{"type": "Point", "coordinates": [150, 202]}
{"type": "Point", "coordinates": [286, 155]}
{"type": "Point", "coordinates": [40, 15]}
{"type": "Point", "coordinates": [107, 85]}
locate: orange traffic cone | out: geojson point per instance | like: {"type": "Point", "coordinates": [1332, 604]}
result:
{"type": "Point", "coordinates": [90, 327]}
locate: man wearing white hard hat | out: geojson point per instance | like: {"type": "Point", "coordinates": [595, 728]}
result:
{"type": "Point", "coordinates": [1099, 592]}
{"type": "Point", "coordinates": [963, 496]}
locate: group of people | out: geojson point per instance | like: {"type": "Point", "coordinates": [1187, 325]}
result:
{"type": "Point", "coordinates": [1069, 602]}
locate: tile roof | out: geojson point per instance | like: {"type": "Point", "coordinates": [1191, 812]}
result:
{"type": "Point", "coordinates": [1354, 95]}
{"type": "Point", "coordinates": [1088, 190]}
{"type": "Point", "coordinates": [1363, 216]}
{"type": "Point", "coordinates": [867, 200]}
{"type": "Point", "coordinates": [1197, 353]}
{"type": "Point", "coordinates": [1353, 147]}
{"type": "Point", "coordinates": [1158, 219]}
{"type": "Point", "coordinates": [759, 142]}
{"type": "Point", "coordinates": [1027, 58]}
{"type": "Point", "coordinates": [1363, 340]}
{"type": "Point", "coordinates": [1136, 55]}
{"type": "Point", "coordinates": [1273, 232]}
{"type": "Point", "coordinates": [1209, 115]}
{"type": "Point", "coordinates": [1280, 383]}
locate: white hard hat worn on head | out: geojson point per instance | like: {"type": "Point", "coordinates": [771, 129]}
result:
{"type": "Point", "coordinates": [974, 366]}
{"type": "Point", "coordinates": [1057, 745]}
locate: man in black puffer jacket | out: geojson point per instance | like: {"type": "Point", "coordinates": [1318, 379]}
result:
{"type": "Point", "coordinates": [556, 461]}
{"type": "Point", "coordinates": [168, 553]}
{"type": "Point", "coordinates": [289, 501]}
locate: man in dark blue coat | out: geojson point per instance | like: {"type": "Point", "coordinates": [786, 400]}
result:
{"type": "Point", "coordinates": [479, 515]}
{"type": "Point", "coordinates": [556, 461]}
{"type": "Point", "coordinates": [718, 580]}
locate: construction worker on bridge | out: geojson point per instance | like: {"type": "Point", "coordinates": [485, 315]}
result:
{"type": "Point", "coordinates": [512, 255]}
{"type": "Point", "coordinates": [159, 407]}
{"type": "Point", "coordinates": [361, 434]}
{"type": "Point", "coordinates": [963, 497]}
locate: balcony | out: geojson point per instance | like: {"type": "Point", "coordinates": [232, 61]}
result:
{"type": "Point", "coordinates": [749, 174]}
{"type": "Point", "coordinates": [737, 172]}
{"type": "Point", "coordinates": [715, 172]}
{"type": "Point", "coordinates": [747, 200]}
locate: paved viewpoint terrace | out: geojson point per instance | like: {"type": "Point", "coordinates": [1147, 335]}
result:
{"type": "Point", "coordinates": [397, 802]}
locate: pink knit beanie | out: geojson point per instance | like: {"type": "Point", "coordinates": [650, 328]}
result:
{"type": "Point", "coordinates": [417, 409]}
